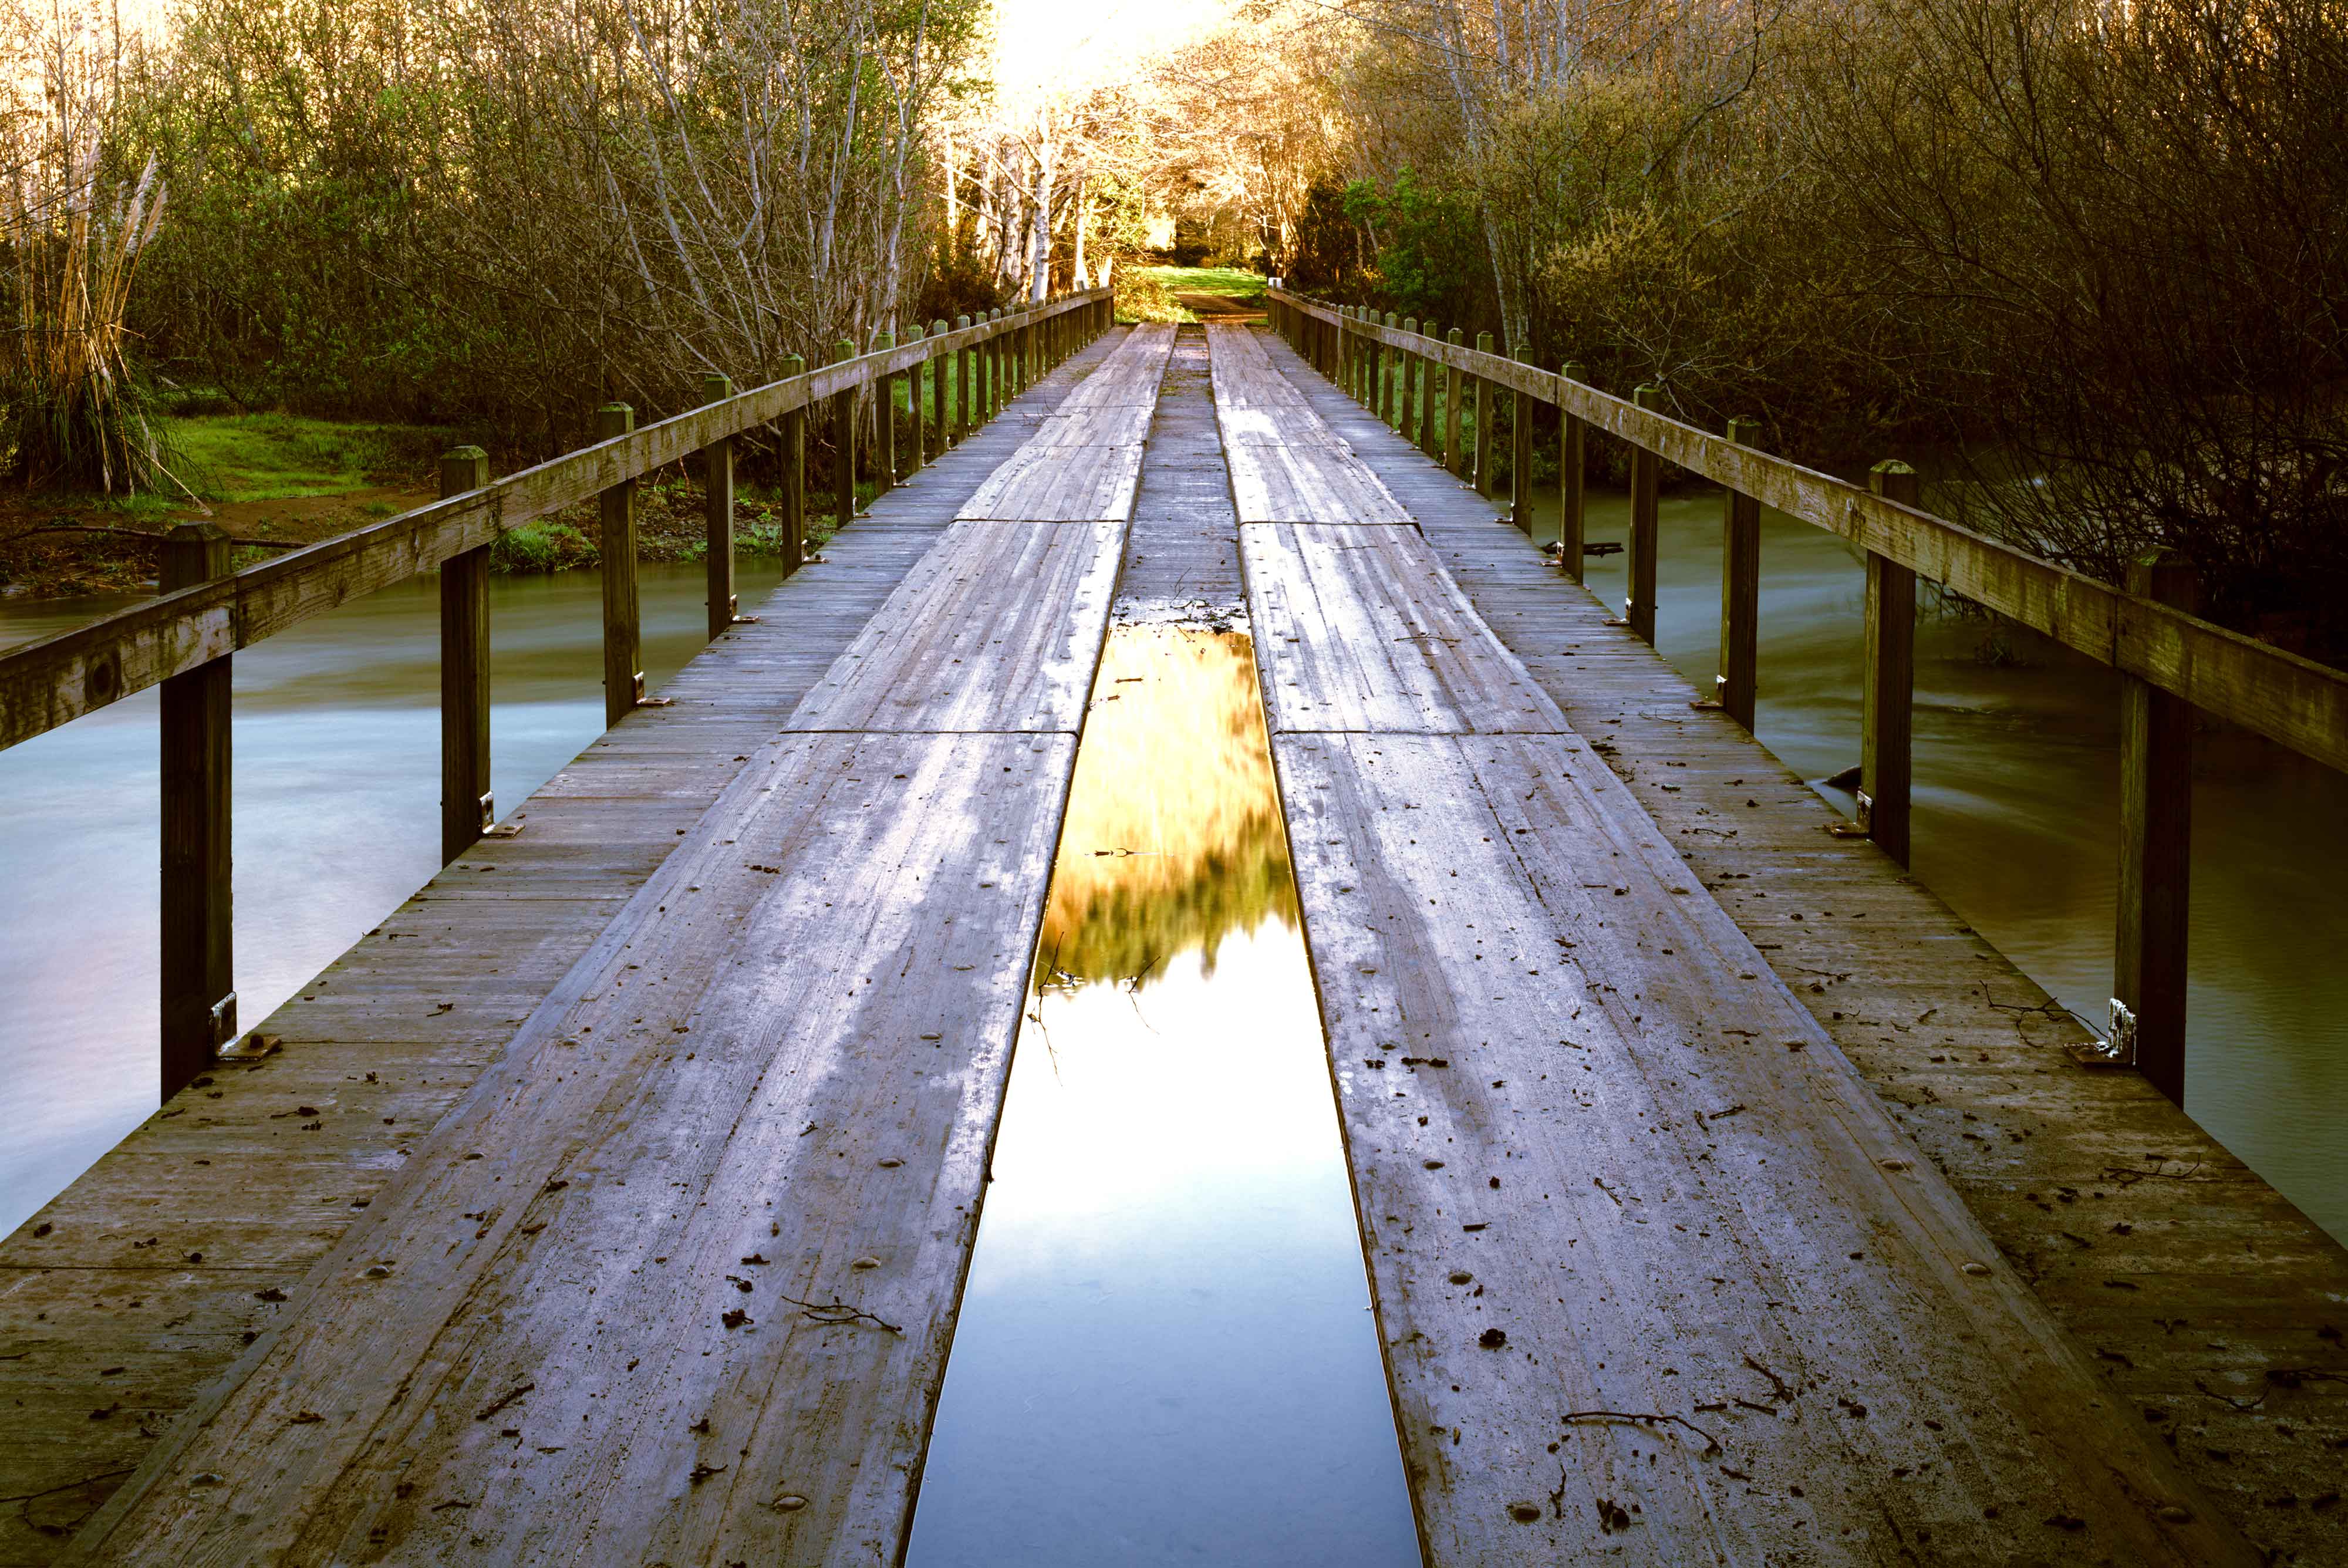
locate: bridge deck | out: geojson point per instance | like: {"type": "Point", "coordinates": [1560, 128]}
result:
{"type": "Point", "coordinates": [150, 1276]}
{"type": "Point", "coordinates": [2197, 1291]}
{"type": "Point", "coordinates": [611, 1202]}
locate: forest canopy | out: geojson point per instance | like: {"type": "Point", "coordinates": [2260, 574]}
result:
{"type": "Point", "coordinates": [2080, 259]}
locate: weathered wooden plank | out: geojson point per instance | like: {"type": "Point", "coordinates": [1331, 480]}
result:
{"type": "Point", "coordinates": [2288, 699]}
{"type": "Point", "coordinates": [1966, 1054]}
{"type": "Point", "coordinates": [1128, 378]}
{"type": "Point", "coordinates": [593, 1248]}
{"type": "Point", "coordinates": [1634, 1222]}
{"type": "Point", "coordinates": [997, 629]}
{"type": "Point", "coordinates": [1359, 628]}
{"type": "Point", "coordinates": [1080, 483]}
{"type": "Point", "coordinates": [1116, 425]}
{"type": "Point", "coordinates": [51, 682]}
{"type": "Point", "coordinates": [1308, 481]}
{"type": "Point", "coordinates": [234, 1171]}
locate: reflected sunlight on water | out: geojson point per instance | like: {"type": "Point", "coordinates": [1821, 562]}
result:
{"type": "Point", "coordinates": [1165, 1353]}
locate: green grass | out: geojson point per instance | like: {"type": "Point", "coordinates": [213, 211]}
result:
{"type": "Point", "coordinates": [1234, 283]}
{"type": "Point", "coordinates": [1146, 293]}
{"type": "Point", "coordinates": [235, 457]}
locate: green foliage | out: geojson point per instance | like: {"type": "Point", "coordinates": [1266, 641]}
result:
{"type": "Point", "coordinates": [1429, 246]}
{"type": "Point", "coordinates": [542, 546]}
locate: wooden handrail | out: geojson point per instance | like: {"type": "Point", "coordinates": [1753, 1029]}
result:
{"type": "Point", "coordinates": [52, 682]}
{"type": "Point", "coordinates": [2293, 701]}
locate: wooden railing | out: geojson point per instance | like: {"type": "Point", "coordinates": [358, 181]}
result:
{"type": "Point", "coordinates": [183, 639]}
{"type": "Point", "coordinates": [2171, 660]}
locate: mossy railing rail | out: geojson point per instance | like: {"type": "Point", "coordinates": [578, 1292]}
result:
{"type": "Point", "coordinates": [183, 639]}
{"type": "Point", "coordinates": [2171, 660]}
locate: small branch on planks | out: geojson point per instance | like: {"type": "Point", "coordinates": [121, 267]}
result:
{"type": "Point", "coordinates": [837, 1312]}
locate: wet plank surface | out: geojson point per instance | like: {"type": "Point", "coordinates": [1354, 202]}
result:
{"type": "Point", "coordinates": [2197, 1292]}
{"type": "Point", "coordinates": [945, 652]}
{"type": "Point", "coordinates": [189, 1245]}
{"type": "Point", "coordinates": [1361, 629]}
{"type": "Point", "coordinates": [1658, 1274]}
{"type": "Point", "coordinates": [1287, 465]}
{"type": "Point", "coordinates": [594, 1315]}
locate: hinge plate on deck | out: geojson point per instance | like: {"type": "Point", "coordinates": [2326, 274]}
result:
{"type": "Point", "coordinates": [644, 701]}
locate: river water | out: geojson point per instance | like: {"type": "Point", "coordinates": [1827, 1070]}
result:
{"type": "Point", "coordinates": [337, 813]}
{"type": "Point", "coordinates": [337, 782]}
{"type": "Point", "coordinates": [2016, 825]}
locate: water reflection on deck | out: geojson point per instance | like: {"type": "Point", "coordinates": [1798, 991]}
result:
{"type": "Point", "coordinates": [1166, 1352]}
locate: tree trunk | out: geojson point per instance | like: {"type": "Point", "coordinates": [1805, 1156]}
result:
{"type": "Point", "coordinates": [1039, 282]}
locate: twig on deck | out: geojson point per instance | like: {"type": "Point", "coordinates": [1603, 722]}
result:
{"type": "Point", "coordinates": [1648, 1418]}
{"type": "Point", "coordinates": [836, 1313]}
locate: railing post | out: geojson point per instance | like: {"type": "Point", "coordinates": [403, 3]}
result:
{"type": "Point", "coordinates": [2156, 848]}
{"type": "Point", "coordinates": [1389, 374]}
{"type": "Point", "coordinates": [466, 808]}
{"type": "Point", "coordinates": [992, 401]}
{"type": "Point", "coordinates": [717, 514]}
{"type": "Point", "coordinates": [1520, 453]}
{"type": "Point", "coordinates": [1485, 403]}
{"type": "Point", "coordinates": [1570, 495]}
{"type": "Point", "coordinates": [940, 379]}
{"type": "Point", "coordinates": [1454, 386]}
{"type": "Point", "coordinates": [965, 367]}
{"type": "Point", "coordinates": [793, 478]}
{"type": "Point", "coordinates": [1889, 665]}
{"type": "Point", "coordinates": [1646, 486]}
{"type": "Point", "coordinates": [623, 678]}
{"type": "Point", "coordinates": [1429, 425]}
{"type": "Point", "coordinates": [1409, 384]}
{"type": "Point", "coordinates": [843, 436]}
{"type": "Point", "coordinates": [1740, 592]}
{"type": "Point", "coordinates": [916, 434]}
{"type": "Point", "coordinates": [198, 993]}
{"type": "Point", "coordinates": [884, 405]}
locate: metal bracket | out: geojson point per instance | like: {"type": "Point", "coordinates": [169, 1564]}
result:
{"type": "Point", "coordinates": [644, 701]}
{"type": "Point", "coordinates": [252, 1047]}
{"type": "Point", "coordinates": [2115, 1050]}
{"type": "Point", "coordinates": [488, 811]}
{"type": "Point", "coordinates": [223, 1020]}
{"type": "Point", "coordinates": [1866, 811]}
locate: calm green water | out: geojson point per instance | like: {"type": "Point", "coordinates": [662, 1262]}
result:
{"type": "Point", "coordinates": [337, 785]}
{"type": "Point", "coordinates": [2017, 826]}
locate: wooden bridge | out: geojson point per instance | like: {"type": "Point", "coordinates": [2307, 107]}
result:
{"type": "Point", "coordinates": [612, 1200]}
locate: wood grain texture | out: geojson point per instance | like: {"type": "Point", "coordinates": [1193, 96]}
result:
{"type": "Point", "coordinates": [998, 629]}
{"type": "Point", "coordinates": [1286, 464]}
{"type": "Point", "coordinates": [1358, 628]}
{"type": "Point", "coordinates": [1116, 425]}
{"type": "Point", "coordinates": [57, 679]}
{"type": "Point", "coordinates": [2189, 1278]}
{"type": "Point", "coordinates": [829, 971]}
{"type": "Point", "coordinates": [2288, 699]}
{"type": "Point", "coordinates": [1128, 377]}
{"type": "Point", "coordinates": [1066, 483]}
{"type": "Point", "coordinates": [136, 1287]}
{"type": "Point", "coordinates": [1656, 1273]}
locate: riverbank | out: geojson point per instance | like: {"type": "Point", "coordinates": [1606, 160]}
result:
{"type": "Point", "coordinates": [276, 482]}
